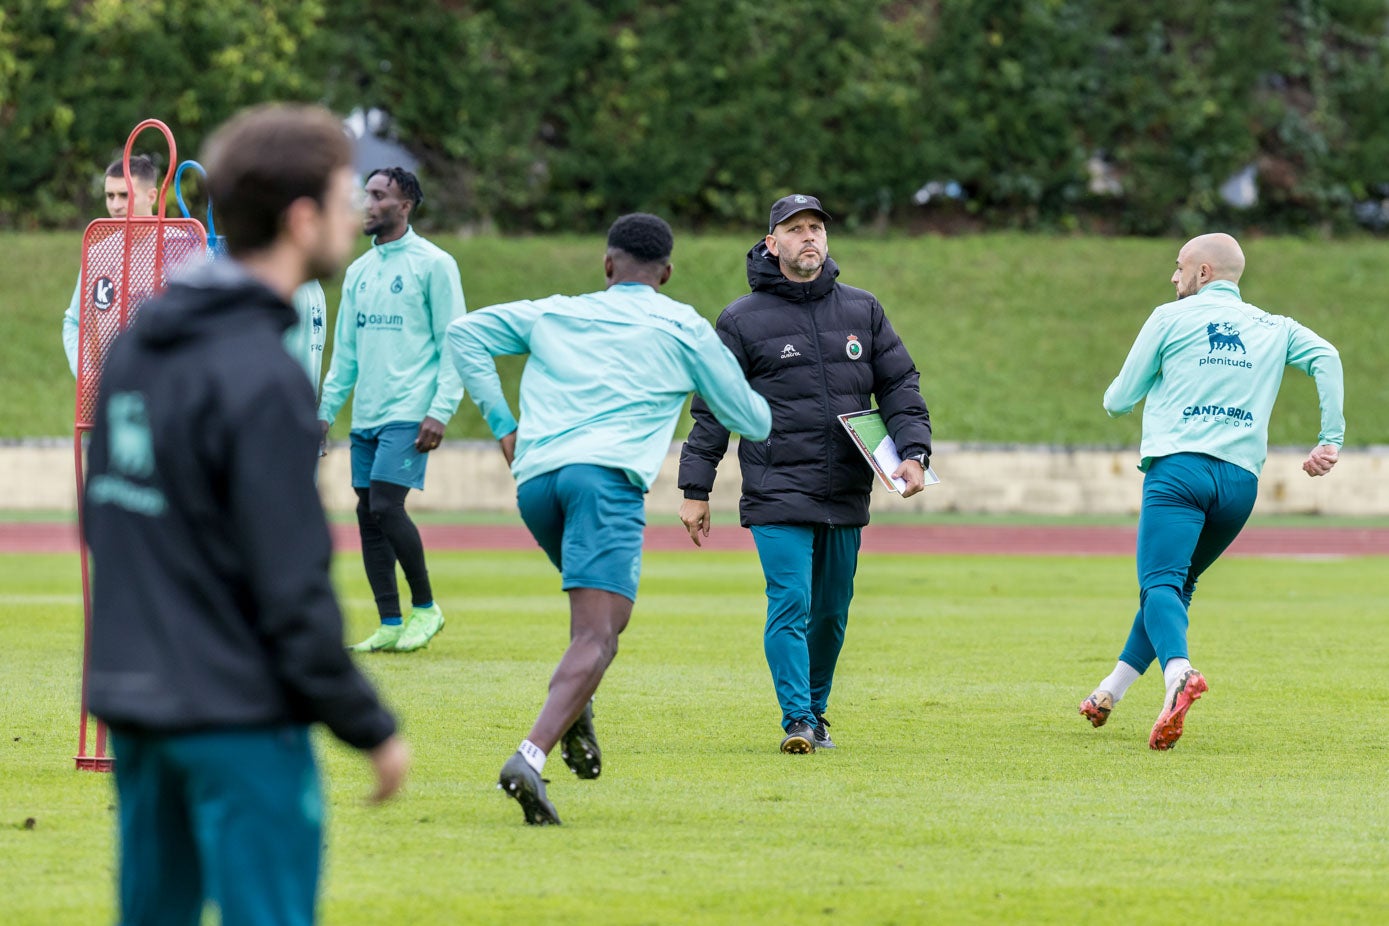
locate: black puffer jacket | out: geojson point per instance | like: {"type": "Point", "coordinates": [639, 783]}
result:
{"type": "Point", "coordinates": [815, 350]}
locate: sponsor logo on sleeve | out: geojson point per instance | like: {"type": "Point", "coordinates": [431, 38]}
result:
{"type": "Point", "coordinates": [789, 351]}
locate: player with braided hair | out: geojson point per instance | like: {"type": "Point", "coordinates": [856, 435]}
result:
{"type": "Point", "coordinates": [405, 182]}
{"type": "Point", "coordinates": [397, 301]}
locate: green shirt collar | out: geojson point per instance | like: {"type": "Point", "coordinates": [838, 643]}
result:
{"type": "Point", "coordinates": [400, 243]}
{"type": "Point", "coordinates": [1220, 286]}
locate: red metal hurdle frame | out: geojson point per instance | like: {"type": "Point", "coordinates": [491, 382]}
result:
{"type": "Point", "coordinates": [124, 262]}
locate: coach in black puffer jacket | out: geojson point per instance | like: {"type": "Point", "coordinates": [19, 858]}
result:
{"type": "Point", "coordinates": [815, 349]}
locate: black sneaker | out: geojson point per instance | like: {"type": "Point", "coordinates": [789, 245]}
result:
{"type": "Point", "coordinates": [518, 780]}
{"type": "Point", "coordinates": [800, 738]}
{"type": "Point", "coordinates": [579, 746]}
{"type": "Point", "coordinates": [822, 732]}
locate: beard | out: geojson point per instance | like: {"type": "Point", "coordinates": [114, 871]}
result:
{"type": "Point", "coordinates": [807, 263]}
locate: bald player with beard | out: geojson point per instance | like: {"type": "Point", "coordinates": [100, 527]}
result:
{"type": "Point", "coordinates": [1209, 366]}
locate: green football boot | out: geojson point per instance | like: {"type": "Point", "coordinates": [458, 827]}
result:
{"type": "Point", "coordinates": [423, 625]}
{"type": "Point", "coordinates": [385, 638]}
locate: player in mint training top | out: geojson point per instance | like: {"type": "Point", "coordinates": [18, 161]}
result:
{"type": "Point", "coordinates": [145, 179]}
{"type": "Point", "coordinates": [606, 380]}
{"type": "Point", "coordinates": [304, 340]}
{"type": "Point", "coordinates": [397, 302]}
{"type": "Point", "coordinates": [1209, 366]}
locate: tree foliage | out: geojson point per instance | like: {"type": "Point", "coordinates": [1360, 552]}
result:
{"type": "Point", "coordinates": [557, 114]}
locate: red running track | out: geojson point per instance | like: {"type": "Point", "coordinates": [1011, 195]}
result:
{"type": "Point", "coordinates": [937, 539]}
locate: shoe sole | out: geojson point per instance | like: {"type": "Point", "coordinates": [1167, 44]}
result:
{"type": "Point", "coordinates": [579, 749]}
{"type": "Point", "coordinates": [537, 810]}
{"type": "Point", "coordinates": [797, 746]}
{"type": "Point", "coordinates": [1168, 728]}
{"type": "Point", "coordinates": [1092, 712]}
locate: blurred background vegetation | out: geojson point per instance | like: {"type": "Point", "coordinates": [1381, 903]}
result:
{"type": "Point", "coordinates": [1112, 116]}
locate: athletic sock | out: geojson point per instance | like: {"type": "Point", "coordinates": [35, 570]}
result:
{"type": "Point", "coordinates": [424, 606]}
{"type": "Point", "coordinates": [1117, 682]}
{"type": "Point", "coordinates": [1172, 672]}
{"type": "Point", "coordinates": [533, 755]}
{"type": "Point", "coordinates": [391, 621]}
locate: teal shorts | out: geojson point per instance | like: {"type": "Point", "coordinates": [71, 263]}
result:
{"type": "Point", "coordinates": [589, 521]}
{"type": "Point", "coordinates": [387, 454]}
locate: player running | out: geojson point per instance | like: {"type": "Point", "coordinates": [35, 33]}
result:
{"type": "Point", "coordinates": [606, 380]}
{"type": "Point", "coordinates": [1209, 365]}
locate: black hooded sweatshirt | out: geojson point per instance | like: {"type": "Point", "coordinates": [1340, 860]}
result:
{"type": "Point", "coordinates": [211, 604]}
{"type": "Point", "coordinates": [815, 351]}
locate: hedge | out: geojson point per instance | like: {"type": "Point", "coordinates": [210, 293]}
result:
{"type": "Point", "coordinates": [536, 115]}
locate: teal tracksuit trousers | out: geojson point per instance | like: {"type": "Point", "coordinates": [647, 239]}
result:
{"type": "Point", "coordinates": [810, 581]}
{"type": "Point", "coordinates": [232, 818]}
{"type": "Point", "coordinates": [1194, 506]}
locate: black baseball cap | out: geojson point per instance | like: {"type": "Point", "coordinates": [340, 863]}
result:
{"type": "Point", "coordinates": [788, 206]}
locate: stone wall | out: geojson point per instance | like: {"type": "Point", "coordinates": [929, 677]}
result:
{"type": "Point", "coordinates": [471, 476]}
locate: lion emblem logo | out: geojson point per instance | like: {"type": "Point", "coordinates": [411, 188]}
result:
{"type": "Point", "coordinates": [1224, 336]}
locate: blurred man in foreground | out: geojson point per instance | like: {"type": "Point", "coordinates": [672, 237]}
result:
{"type": "Point", "coordinates": [216, 638]}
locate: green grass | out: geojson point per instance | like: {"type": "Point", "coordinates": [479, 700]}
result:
{"type": "Point", "coordinates": [939, 518]}
{"type": "Point", "coordinates": [1016, 336]}
{"type": "Point", "coordinates": [965, 788]}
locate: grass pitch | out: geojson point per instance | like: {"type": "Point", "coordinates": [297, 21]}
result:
{"type": "Point", "coordinates": [965, 789]}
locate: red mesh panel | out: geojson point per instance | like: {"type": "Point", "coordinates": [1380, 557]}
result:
{"type": "Point", "coordinates": [151, 248]}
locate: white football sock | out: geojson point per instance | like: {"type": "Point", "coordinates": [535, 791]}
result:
{"type": "Point", "coordinates": [1172, 672]}
{"type": "Point", "coordinates": [1117, 682]}
{"type": "Point", "coordinates": [533, 754]}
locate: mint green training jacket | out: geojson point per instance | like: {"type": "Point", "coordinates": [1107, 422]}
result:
{"type": "Point", "coordinates": [606, 380]}
{"type": "Point", "coordinates": [397, 302]}
{"type": "Point", "coordinates": [1210, 366]}
{"type": "Point", "coordinates": [71, 319]}
{"type": "Point", "coordinates": [304, 340]}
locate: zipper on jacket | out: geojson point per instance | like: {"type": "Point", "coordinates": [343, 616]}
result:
{"type": "Point", "coordinates": [829, 414]}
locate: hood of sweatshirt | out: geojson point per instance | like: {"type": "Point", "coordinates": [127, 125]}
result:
{"type": "Point", "coordinates": [206, 297]}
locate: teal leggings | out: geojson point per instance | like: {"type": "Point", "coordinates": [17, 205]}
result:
{"type": "Point", "coordinates": [1194, 506]}
{"type": "Point", "coordinates": [810, 582]}
{"type": "Point", "coordinates": [233, 818]}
